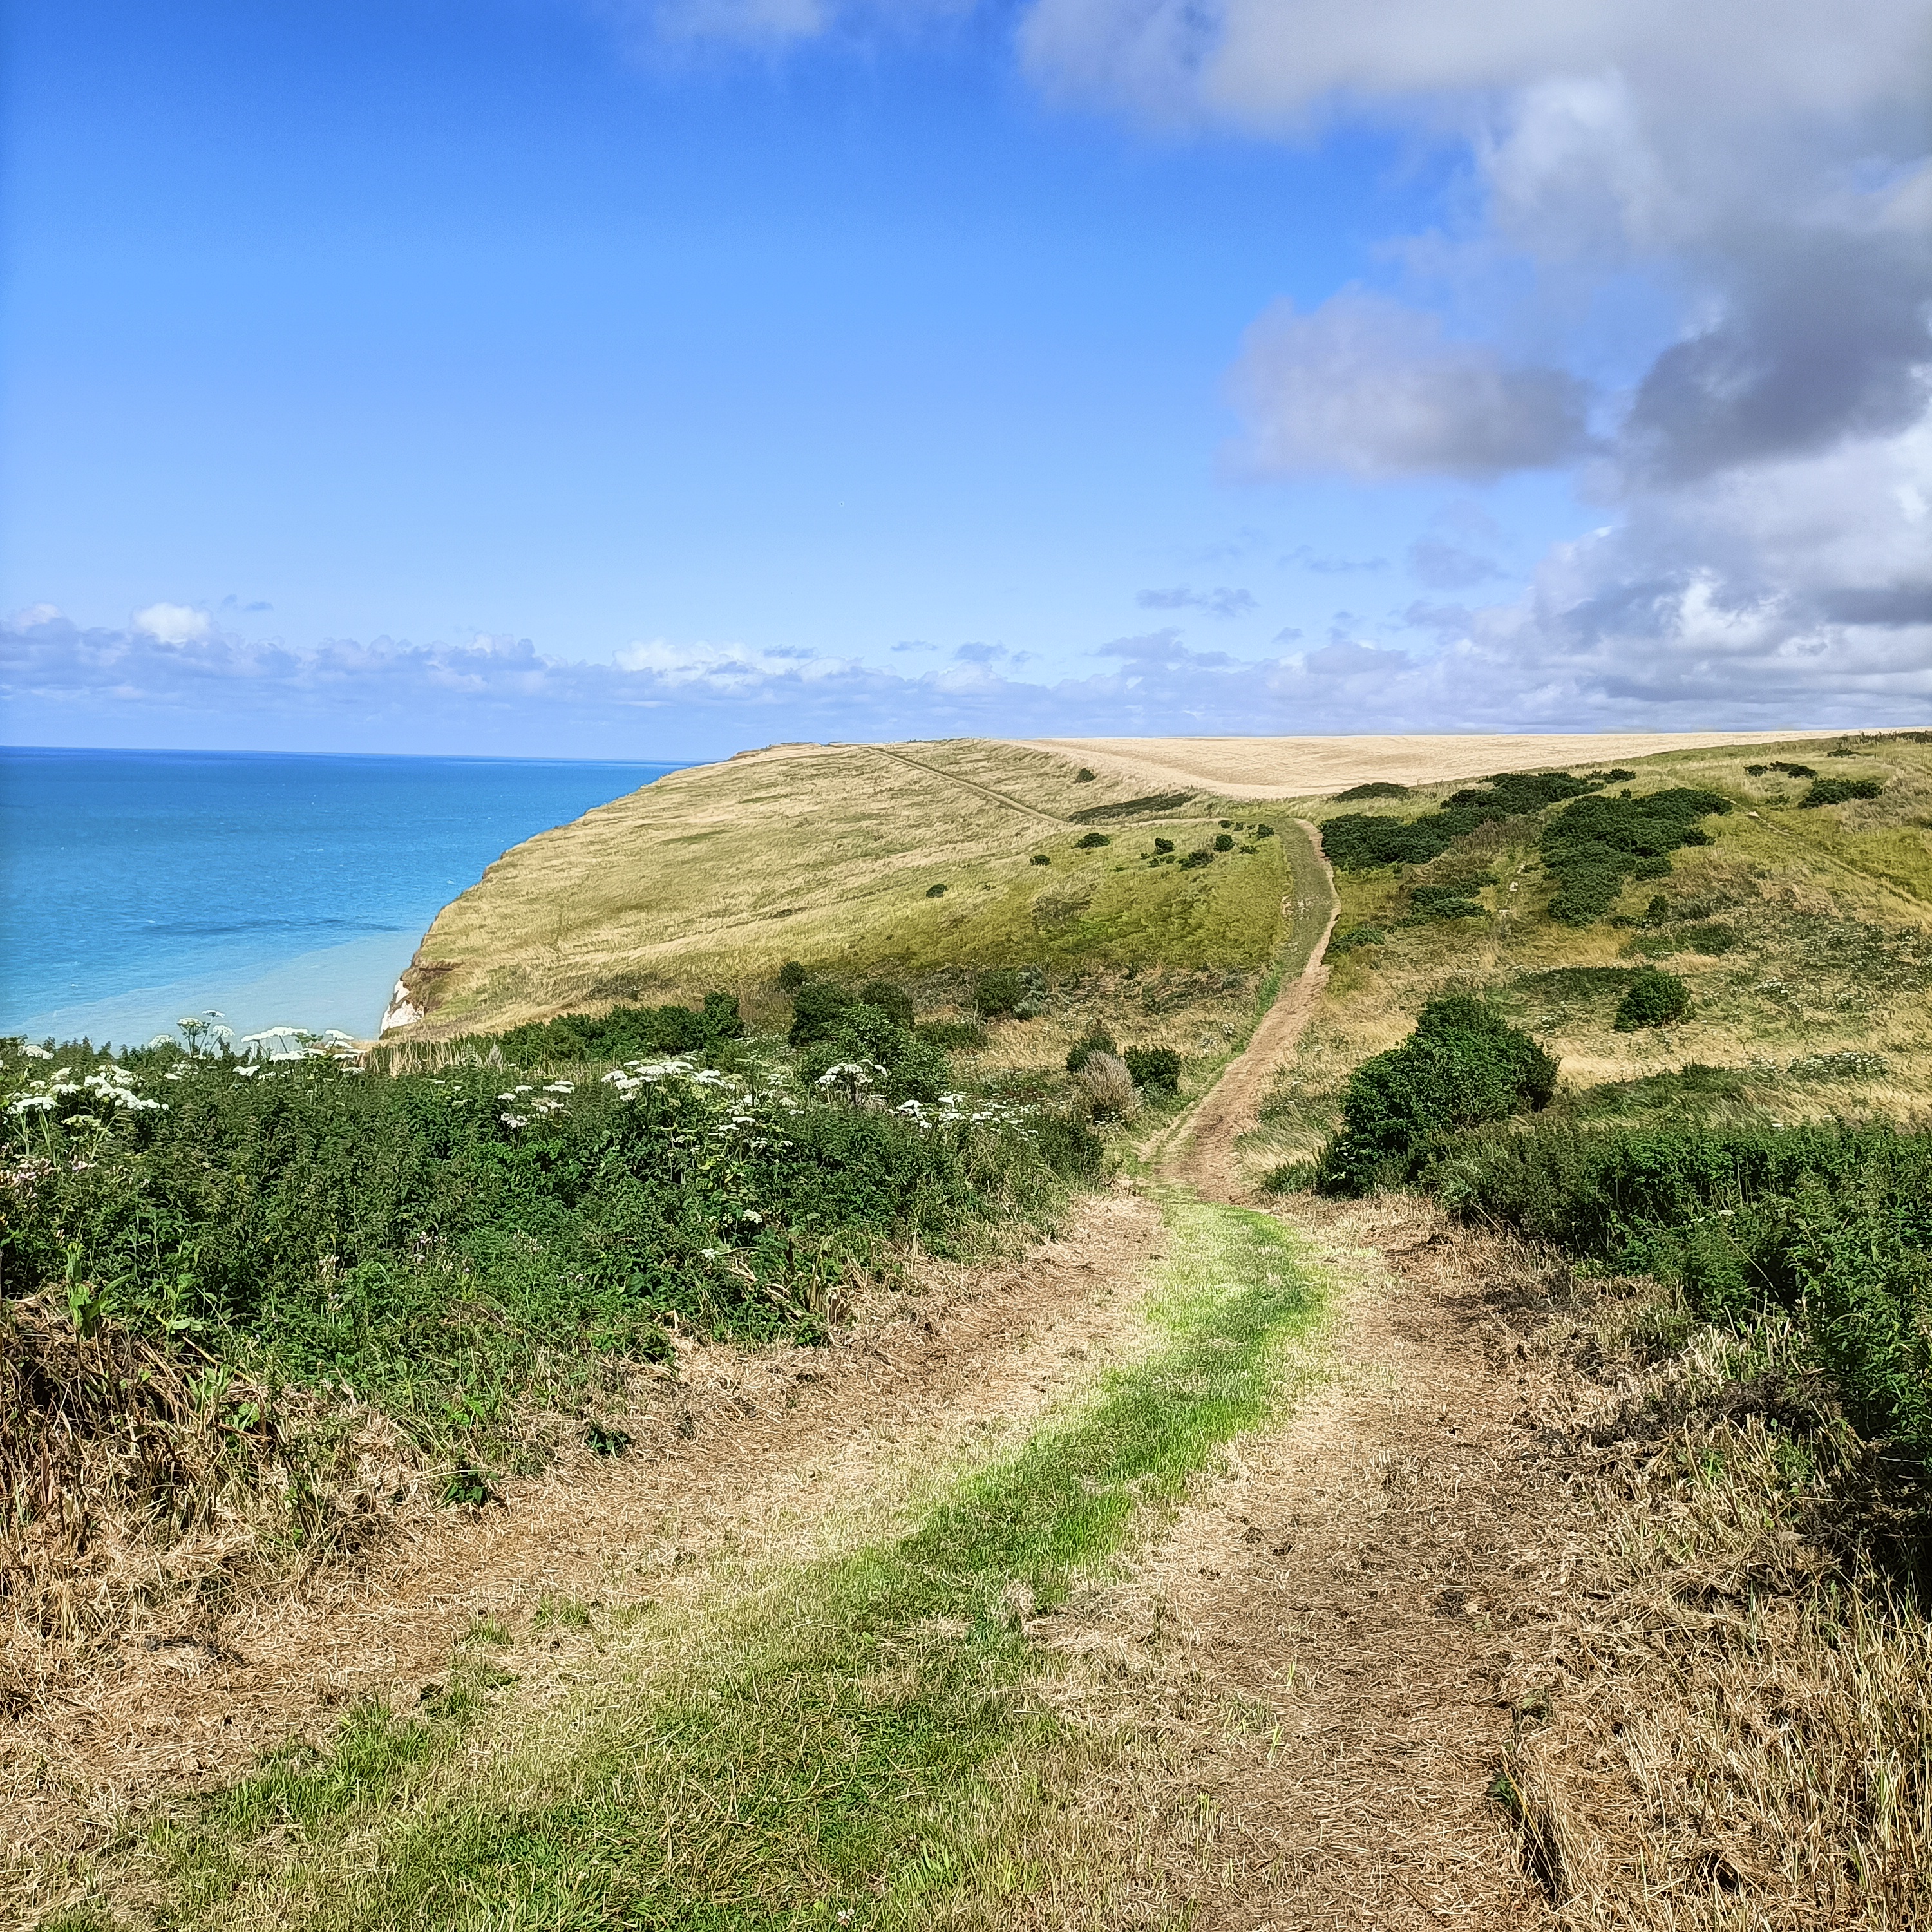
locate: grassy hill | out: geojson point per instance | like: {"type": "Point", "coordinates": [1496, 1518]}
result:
{"type": "Point", "coordinates": [921, 863]}
{"type": "Point", "coordinates": [1803, 932]}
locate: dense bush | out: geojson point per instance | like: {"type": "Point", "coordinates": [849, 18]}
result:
{"type": "Point", "coordinates": [426, 1240]}
{"type": "Point", "coordinates": [1835, 1225]}
{"type": "Point", "coordinates": [792, 975]}
{"type": "Point", "coordinates": [947, 1033]}
{"type": "Point", "coordinates": [1357, 935]}
{"type": "Point", "coordinates": [816, 1008]}
{"type": "Point", "coordinates": [896, 1063]}
{"type": "Point", "coordinates": [1839, 791]}
{"type": "Point", "coordinates": [1427, 902]}
{"type": "Point", "coordinates": [1358, 841]}
{"type": "Point", "coordinates": [1652, 999]}
{"type": "Point", "coordinates": [1088, 842]}
{"type": "Point", "coordinates": [624, 1033]}
{"type": "Point", "coordinates": [1197, 859]}
{"type": "Point", "coordinates": [935, 891]}
{"type": "Point", "coordinates": [1156, 1068]}
{"type": "Point", "coordinates": [997, 993]}
{"type": "Point", "coordinates": [1163, 844]}
{"type": "Point", "coordinates": [1463, 1065]}
{"type": "Point", "coordinates": [1375, 788]}
{"type": "Point", "coordinates": [1042, 859]}
{"type": "Point", "coordinates": [893, 1000]}
{"type": "Point", "coordinates": [1592, 846]}
{"type": "Point", "coordinates": [1224, 842]}
{"type": "Point", "coordinates": [1098, 1039]}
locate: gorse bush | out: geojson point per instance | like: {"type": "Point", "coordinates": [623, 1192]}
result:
{"type": "Point", "coordinates": [1009, 991]}
{"type": "Point", "coordinates": [1593, 846]}
{"type": "Point", "coordinates": [1358, 842]}
{"type": "Point", "coordinates": [816, 1010]}
{"type": "Point", "coordinates": [1375, 788]}
{"type": "Point", "coordinates": [1224, 842]}
{"type": "Point", "coordinates": [1652, 999]}
{"type": "Point", "coordinates": [1833, 1226]}
{"type": "Point", "coordinates": [1089, 842]}
{"type": "Point", "coordinates": [792, 975]}
{"type": "Point", "coordinates": [1463, 1065]}
{"type": "Point", "coordinates": [1357, 935]}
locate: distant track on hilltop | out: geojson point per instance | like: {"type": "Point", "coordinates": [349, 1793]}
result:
{"type": "Point", "coordinates": [971, 784]}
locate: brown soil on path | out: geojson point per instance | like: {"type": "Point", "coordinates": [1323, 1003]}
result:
{"type": "Point", "coordinates": [772, 1452]}
{"type": "Point", "coordinates": [1331, 1641]}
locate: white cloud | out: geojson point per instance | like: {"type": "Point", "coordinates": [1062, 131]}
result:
{"type": "Point", "coordinates": [1223, 601]}
{"type": "Point", "coordinates": [173, 623]}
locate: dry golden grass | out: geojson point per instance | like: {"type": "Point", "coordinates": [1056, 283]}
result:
{"type": "Point", "coordinates": [829, 854]}
{"type": "Point", "coordinates": [1304, 767]}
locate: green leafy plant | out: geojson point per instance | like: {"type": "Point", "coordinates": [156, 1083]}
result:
{"type": "Point", "coordinates": [1652, 999]}
{"type": "Point", "coordinates": [1223, 842]}
{"type": "Point", "coordinates": [1088, 841]}
{"type": "Point", "coordinates": [935, 891]}
{"type": "Point", "coordinates": [1157, 1068]}
{"type": "Point", "coordinates": [1463, 1065]}
{"type": "Point", "coordinates": [1841, 791]}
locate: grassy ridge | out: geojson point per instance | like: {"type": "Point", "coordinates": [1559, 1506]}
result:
{"type": "Point", "coordinates": [830, 855]}
{"type": "Point", "coordinates": [857, 1743]}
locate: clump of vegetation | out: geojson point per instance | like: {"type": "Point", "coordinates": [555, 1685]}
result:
{"type": "Point", "coordinates": [1041, 859]}
{"type": "Point", "coordinates": [1010, 992]}
{"type": "Point", "coordinates": [1264, 831]}
{"type": "Point", "coordinates": [1357, 935]}
{"type": "Point", "coordinates": [1135, 808]}
{"type": "Point", "coordinates": [622, 1033]}
{"type": "Point", "coordinates": [816, 1007]}
{"type": "Point", "coordinates": [792, 975]}
{"type": "Point", "coordinates": [1375, 788]}
{"type": "Point", "coordinates": [1708, 937]}
{"type": "Point", "coordinates": [1156, 1068]}
{"type": "Point", "coordinates": [948, 1034]}
{"type": "Point", "coordinates": [1592, 846]}
{"type": "Point", "coordinates": [1195, 859]}
{"type": "Point", "coordinates": [1652, 999]}
{"type": "Point", "coordinates": [1782, 765]}
{"type": "Point", "coordinates": [1163, 845]}
{"type": "Point", "coordinates": [1089, 842]}
{"type": "Point", "coordinates": [1084, 776]}
{"type": "Point", "coordinates": [1223, 841]}
{"type": "Point", "coordinates": [1463, 1065]}
{"type": "Point", "coordinates": [1428, 902]}
{"type": "Point", "coordinates": [1830, 1225]}
{"type": "Point", "coordinates": [867, 1052]}
{"type": "Point", "coordinates": [1097, 1039]}
{"type": "Point", "coordinates": [1841, 791]}
{"type": "Point", "coordinates": [1107, 1084]}
{"type": "Point", "coordinates": [1359, 841]}
{"type": "Point", "coordinates": [935, 891]}
{"type": "Point", "coordinates": [892, 1001]}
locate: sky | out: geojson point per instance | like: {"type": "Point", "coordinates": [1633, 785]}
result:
{"type": "Point", "coordinates": [655, 378]}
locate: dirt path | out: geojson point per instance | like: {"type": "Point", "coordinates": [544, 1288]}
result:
{"type": "Point", "coordinates": [1199, 1151]}
{"type": "Point", "coordinates": [777, 1451]}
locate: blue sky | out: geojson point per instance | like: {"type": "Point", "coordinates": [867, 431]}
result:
{"type": "Point", "coordinates": [576, 376]}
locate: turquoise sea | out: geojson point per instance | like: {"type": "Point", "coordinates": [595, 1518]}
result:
{"type": "Point", "coordinates": [137, 886]}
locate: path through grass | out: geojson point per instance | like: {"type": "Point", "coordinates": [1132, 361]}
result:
{"type": "Point", "coordinates": [859, 1742]}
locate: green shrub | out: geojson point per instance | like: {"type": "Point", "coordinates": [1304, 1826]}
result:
{"type": "Point", "coordinates": [816, 1007]}
{"type": "Point", "coordinates": [1357, 935]}
{"type": "Point", "coordinates": [624, 1033]}
{"type": "Point", "coordinates": [1088, 841]}
{"type": "Point", "coordinates": [893, 1001]}
{"type": "Point", "coordinates": [1163, 844]}
{"type": "Point", "coordinates": [792, 975]}
{"type": "Point", "coordinates": [1223, 842]}
{"type": "Point", "coordinates": [935, 891]}
{"type": "Point", "coordinates": [1375, 788]}
{"type": "Point", "coordinates": [1195, 859]}
{"type": "Point", "coordinates": [1083, 776]}
{"type": "Point", "coordinates": [1833, 1226]}
{"type": "Point", "coordinates": [1156, 1068]}
{"type": "Point", "coordinates": [1592, 846]}
{"type": "Point", "coordinates": [1041, 859]}
{"type": "Point", "coordinates": [1359, 842]}
{"type": "Point", "coordinates": [1658, 910]}
{"type": "Point", "coordinates": [1264, 831]}
{"type": "Point", "coordinates": [945, 1034]}
{"type": "Point", "coordinates": [901, 1067]}
{"type": "Point", "coordinates": [997, 993]}
{"type": "Point", "coordinates": [1839, 791]}
{"type": "Point", "coordinates": [1098, 1039]}
{"type": "Point", "coordinates": [1463, 1065]}
{"type": "Point", "coordinates": [1652, 999]}
{"type": "Point", "coordinates": [1427, 902]}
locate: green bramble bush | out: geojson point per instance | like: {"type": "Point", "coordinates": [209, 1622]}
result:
{"type": "Point", "coordinates": [1089, 842]}
{"type": "Point", "coordinates": [1224, 842]}
{"type": "Point", "coordinates": [1156, 1068]}
{"type": "Point", "coordinates": [1840, 791]}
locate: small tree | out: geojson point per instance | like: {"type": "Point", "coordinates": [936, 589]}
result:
{"type": "Point", "coordinates": [1653, 998]}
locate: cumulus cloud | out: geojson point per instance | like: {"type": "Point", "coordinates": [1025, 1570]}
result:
{"type": "Point", "coordinates": [1365, 386]}
{"type": "Point", "coordinates": [1222, 602]}
{"type": "Point", "coordinates": [173, 623]}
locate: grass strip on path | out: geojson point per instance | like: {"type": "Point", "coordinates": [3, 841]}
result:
{"type": "Point", "coordinates": [842, 1745]}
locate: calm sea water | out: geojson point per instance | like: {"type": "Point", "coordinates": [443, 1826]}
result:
{"type": "Point", "coordinates": [136, 887]}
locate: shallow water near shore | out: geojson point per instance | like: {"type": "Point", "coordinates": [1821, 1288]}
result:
{"type": "Point", "coordinates": [279, 889]}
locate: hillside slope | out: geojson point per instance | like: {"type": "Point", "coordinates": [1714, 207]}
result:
{"type": "Point", "coordinates": [912, 859]}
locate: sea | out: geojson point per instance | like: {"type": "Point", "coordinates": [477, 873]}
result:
{"type": "Point", "coordinates": [140, 887]}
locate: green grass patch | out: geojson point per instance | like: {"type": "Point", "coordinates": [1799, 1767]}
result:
{"type": "Point", "coordinates": [841, 1745]}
